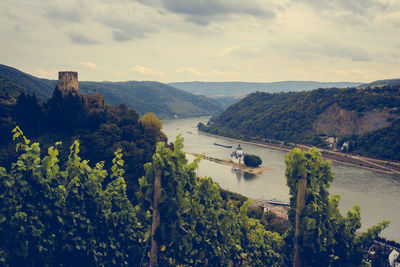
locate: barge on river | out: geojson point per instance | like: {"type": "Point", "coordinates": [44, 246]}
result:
{"type": "Point", "coordinates": [222, 145]}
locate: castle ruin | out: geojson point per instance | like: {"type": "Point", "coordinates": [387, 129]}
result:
{"type": "Point", "coordinates": [68, 82]}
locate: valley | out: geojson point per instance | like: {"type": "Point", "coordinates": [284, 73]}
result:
{"type": "Point", "coordinates": [376, 192]}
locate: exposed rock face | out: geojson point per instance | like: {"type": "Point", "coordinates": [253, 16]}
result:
{"type": "Point", "coordinates": [339, 122]}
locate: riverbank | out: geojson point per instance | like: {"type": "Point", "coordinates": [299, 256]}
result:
{"type": "Point", "coordinates": [383, 166]}
{"type": "Point", "coordinates": [252, 170]}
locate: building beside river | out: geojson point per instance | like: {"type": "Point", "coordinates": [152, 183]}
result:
{"type": "Point", "coordinates": [237, 156]}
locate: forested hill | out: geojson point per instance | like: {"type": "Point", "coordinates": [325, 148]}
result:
{"type": "Point", "coordinates": [228, 93]}
{"type": "Point", "coordinates": [390, 82]}
{"type": "Point", "coordinates": [369, 119]}
{"type": "Point", "coordinates": [243, 88]}
{"type": "Point", "coordinates": [163, 100]}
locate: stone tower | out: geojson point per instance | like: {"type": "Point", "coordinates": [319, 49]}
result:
{"type": "Point", "coordinates": [68, 82]}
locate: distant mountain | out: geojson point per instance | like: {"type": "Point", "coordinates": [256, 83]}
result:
{"type": "Point", "coordinates": [369, 119]}
{"type": "Point", "coordinates": [163, 100]}
{"type": "Point", "coordinates": [391, 82]}
{"type": "Point", "coordinates": [231, 92]}
{"type": "Point", "coordinates": [43, 88]}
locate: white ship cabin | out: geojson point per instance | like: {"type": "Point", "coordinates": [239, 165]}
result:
{"type": "Point", "coordinates": [237, 156]}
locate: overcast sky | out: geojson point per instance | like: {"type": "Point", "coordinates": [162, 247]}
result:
{"type": "Point", "coordinates": [203, 40]}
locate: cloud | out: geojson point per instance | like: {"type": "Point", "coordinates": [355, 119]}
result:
{"type": "Point", "coordinates": [309, 50]}
{"type": "Point", "coordinates": [45, 74]}
{"type": "Point", "coordinates": [205, 72]}
{"type": "Point", "coordinates": [70, 12]}
{"type": "Point", "coordinates": [189, 70]}
{"type": "Point", "coordinates": [348, 12]}
{"type": "Point", "coordinates": [354, 6]}
{"type": "Point", "coordinates": [246, 50]}
{"type": "Point", "coordinates": [128, 22]}
{"type": "Point", "coordinates": [335, 49]}
{"type": "Point", "coordinates": [126, 34]}
{"type": "Point", "coordinates": [89, 65]}
{"type": "Point", "coordinates": [80, 38]}
{"type": "Point", "coordinates": [146, 71]}
{"type": "Point", "coordinates": [203, 12]}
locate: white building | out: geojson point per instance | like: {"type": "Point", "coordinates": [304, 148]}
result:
{"type": "Point", "coordinates": [393, 258]}
{"type": "Point", "coordinates": [237, 156]}
{"type": "Point", "coordinates": [345, 146]}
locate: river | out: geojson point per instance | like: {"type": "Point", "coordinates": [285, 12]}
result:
{"type": "Point", "coordinates": [377, 194]}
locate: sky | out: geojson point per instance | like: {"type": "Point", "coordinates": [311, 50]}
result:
{"type": "Point", "coordinates": [203, 40]}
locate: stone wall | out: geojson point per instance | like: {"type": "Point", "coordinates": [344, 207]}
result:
{"type": "Point", "coordinates": [68, 81]}
{"type": "Point", "coordinates": [94, 103]}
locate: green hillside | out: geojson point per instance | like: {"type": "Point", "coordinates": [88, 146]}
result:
{"type": "Point", "coordinates": [43, 88]}
{"type": "Point", "coordinates": [228, 93]}
{"type": "Point", "coordinates": [163, 100]}
{"type": "Point", "coordinates": [9, 90]}
{"type": "Point", "coordinates": [368, 118]}
{"type": "Point", "coordinates": [390, 82]}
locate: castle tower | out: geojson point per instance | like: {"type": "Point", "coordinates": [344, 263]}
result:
{"type": "Point", "coordinates": [68, 82]}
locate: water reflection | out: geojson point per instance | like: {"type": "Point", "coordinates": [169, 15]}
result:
{"type": "Point", "coordinates": [243, 175]}
{"type": "Point", "coordinates": [249, 176]}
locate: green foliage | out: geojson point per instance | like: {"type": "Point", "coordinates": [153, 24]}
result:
{"type": "Point", "coordinates": [383, 143]}
{"type": "Point", "coordinates": [51, 217]}
{"type": "Point", "coordinates": [55, 213]}
{"type": "Point", "coordinates": [252, 160]}
{"type": "Point", "coordinates": [29, 113]}
{"type": "Point", "coordinates": [269, 220]}
{"type": "Point", "coordinates": [66, 113]}
{"type": "Point", "coordinates": [101, 132]}
{"type": "Point", "coordinates": [197, 226]}
{"type": "Point", "coordinates": [9, 90]}
{"type": "Point", "coordinates": [151, 122]}
{"type": "Point", "coordinates": [72, 216]}
{"type": "Point", "coordinates": [327, 237]}
{"type": "Point", "coordinates": [291, 116]}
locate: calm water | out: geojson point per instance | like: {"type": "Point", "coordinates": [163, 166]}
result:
{"type": "Point", "coordinates": [377, 194]}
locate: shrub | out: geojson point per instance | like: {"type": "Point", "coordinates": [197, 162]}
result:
{"type": "Point", "coordinates": [252, 160]}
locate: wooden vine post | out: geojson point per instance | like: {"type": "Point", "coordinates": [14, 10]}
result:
{"type": "Point", "coordinates": [156, 219]}
{"type": "Point", "coordinates": [301, 192]}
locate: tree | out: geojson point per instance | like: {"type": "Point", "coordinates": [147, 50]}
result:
{"type": "Point", "coordinates": [54, 217]}
{"type": "Point", "coordinates": [150, 121]}
{"type": "Point", "coordinates": [195, 226]}
{"type": "Point", "coordinates": [252, 160]}
{"type": "Point", "coordinates": [327, 237]}
{"type": "Point", "coordinates": [28, 113]}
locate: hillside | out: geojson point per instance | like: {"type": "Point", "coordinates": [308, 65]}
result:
{"type": "Point", "coordinates": [368, 118]}
{"type": "Point", "coordinates": [228, 93]}
{"type": "Point", "coordinates": [100, 131]}
{"type": "Point", "coordinates": [163, 100]}
{"type": "Point", "coordinates": [390, 82]}
{"type": "Point", "coordinates": [43, 88]}
{"type": "Point", "coordinates": [9, 90]}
